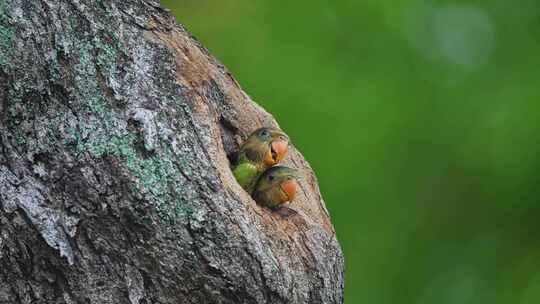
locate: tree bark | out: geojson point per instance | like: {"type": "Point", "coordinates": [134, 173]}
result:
{"type": "Point", "coordinates": [115, 185]}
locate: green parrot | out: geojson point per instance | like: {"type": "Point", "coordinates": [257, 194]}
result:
{"type": "Point", "coordinates": [276, 186]}
{"type": "Point", "coordinates": [263, 149]}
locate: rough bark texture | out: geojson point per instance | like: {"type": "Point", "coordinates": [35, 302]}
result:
{"type": "Point", "coordinates": [115, 187]}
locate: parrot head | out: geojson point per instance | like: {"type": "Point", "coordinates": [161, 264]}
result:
{"type": "Point", "coordinates": [266, 145]}
{"type": "Point", "coordinates": [276, 186]}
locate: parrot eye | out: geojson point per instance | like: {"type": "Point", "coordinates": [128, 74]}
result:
{"type": "Point", "coordinates": [270, 177]}
{"type": "Point", "coordinates": [264, 133]}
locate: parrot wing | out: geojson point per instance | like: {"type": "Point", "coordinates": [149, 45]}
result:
{"type": "Point", "coordinates": [245, 174]}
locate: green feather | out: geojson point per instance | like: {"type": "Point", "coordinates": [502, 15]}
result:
{"type": "Point", "coordinates": [246, 175]}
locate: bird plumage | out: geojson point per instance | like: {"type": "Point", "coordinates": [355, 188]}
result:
{"type": "Point", "coordinates": [276, 186]}
{"type": "Point", "coordinates": [264, 148]}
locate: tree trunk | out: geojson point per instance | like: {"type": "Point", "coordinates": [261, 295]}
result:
{"type": "Point", "coordinates": [115, 186]}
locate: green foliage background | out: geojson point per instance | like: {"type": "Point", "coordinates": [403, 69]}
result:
{"type": "Point", "coordinates": [421, 119]}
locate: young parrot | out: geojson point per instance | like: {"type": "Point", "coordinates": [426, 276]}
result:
{"type": "Point", "coordinates": [276, 186]}
{"type": "Point", "coordinates": [263, 149]}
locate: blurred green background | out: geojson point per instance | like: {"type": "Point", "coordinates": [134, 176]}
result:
{"type": "Point", "coordinates": [421, 120]}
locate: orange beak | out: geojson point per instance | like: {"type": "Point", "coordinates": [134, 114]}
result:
{"type": "Point", "coordinates": [289, 187]}
{"type": "Point", "coordinates": [279, 148]}
{"type": "Point", "coordinates": [277, 151]}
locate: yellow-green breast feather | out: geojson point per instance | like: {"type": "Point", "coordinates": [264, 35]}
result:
{"type": "Point", "coordinates": [246, 175]}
